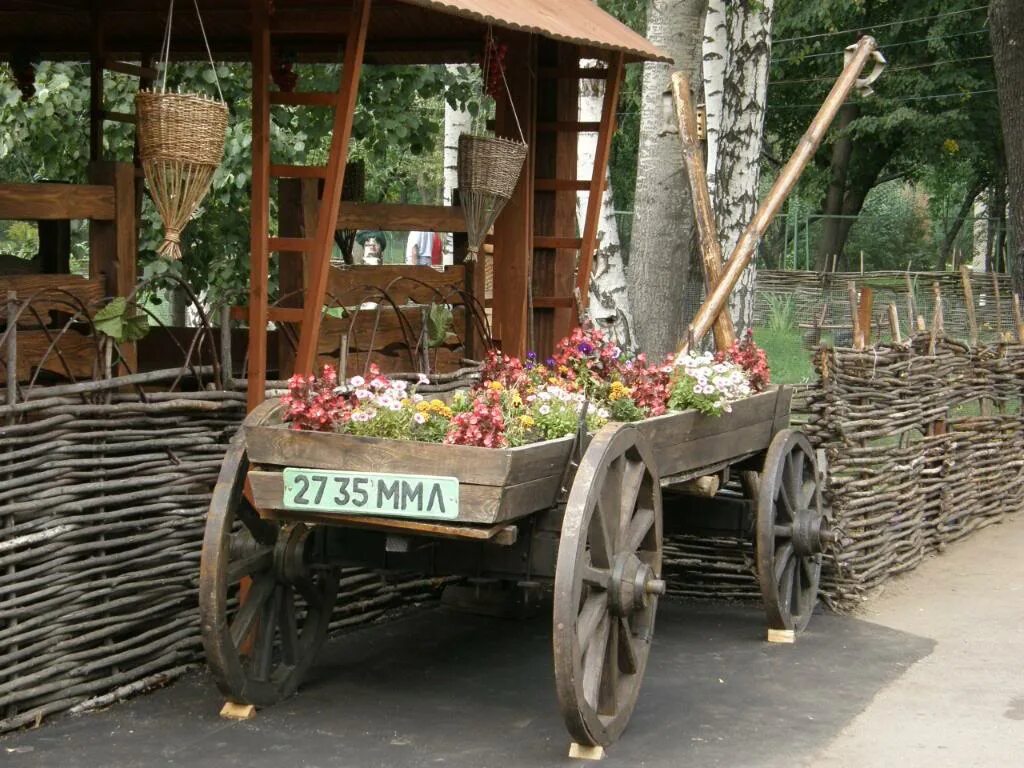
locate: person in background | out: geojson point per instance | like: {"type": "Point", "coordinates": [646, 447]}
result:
{"type": "Point", "coordinates": [373, 243]}
{"type": "Point", "coordinates": [419, 248]}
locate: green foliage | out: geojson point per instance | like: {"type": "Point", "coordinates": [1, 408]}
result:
{"type": "Point", "coordinates": [439, 323]}
{"type": "Point", "coordinates": [120, 321]}
{"type": "Point", "coordinates": [789, 361]}
{"type": "Point", "coordinates": [933, 120]}
{"type": "Point", "coordinates": [781, 312]}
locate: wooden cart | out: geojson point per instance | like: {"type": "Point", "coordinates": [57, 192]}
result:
{"type": "Point", "coordinates": [581, 515]}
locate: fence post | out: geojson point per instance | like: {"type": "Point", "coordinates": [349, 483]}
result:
{"type": "Point", "coordinates": [972, 321]}
{"type": "Point", "coordinates": [12, 349]}
{"type": "Point", "coordinates": [226, 367]}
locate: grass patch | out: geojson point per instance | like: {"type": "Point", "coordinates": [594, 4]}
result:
{"type": "Point", "coordinates": [790, 363]}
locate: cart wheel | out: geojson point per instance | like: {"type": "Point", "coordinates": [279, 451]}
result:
{"type": "Point", "coordinates": [607, 583]}
{"type": "Point", "coordinates": [791, 531]}
{"type": "Point", "coordinates": [259, 648]}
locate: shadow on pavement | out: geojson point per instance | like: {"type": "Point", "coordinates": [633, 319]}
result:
{"type": "Point", "coordinates": [443, 689]}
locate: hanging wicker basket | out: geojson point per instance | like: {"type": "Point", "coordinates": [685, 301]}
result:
{"type": "Point", "coordinates": [489, 169]}
{"type": "Point", "coordinates": [181, 144]}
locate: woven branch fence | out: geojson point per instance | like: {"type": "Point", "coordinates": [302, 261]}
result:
{"type": "Point", "coordinates": [922, 448]}
{"type": "Point", "coordinates": [103, 496]}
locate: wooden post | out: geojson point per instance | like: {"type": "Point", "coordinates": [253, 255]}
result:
{"type": "Point", "coordinates": [693, 161]}
{"type": "Point", "coordinates": [911, 303]}
{"type": "Point", "coordinates": [291, 265]}
{"type": "Point", "coordinates": [784, 183]}
{"type": "Point", "coordinates": [226, 362]}
{"type": "Point", "coordinates": [937, 318]}
{"type": "Point", "coordinates": [259, 256]}
{"type": "Point", "coordinates": [851, 292]}
{"type": "Point", "coordinates": [864, 312]}
{"type": "Point", "coordinates": [1017, 318]}
{"type": "Point", "coordinates": [972, 320]}
{"type": "Point", "coordinates": [894, 325]}
{"type": "Point", "coordinates": [513, 231]}
{"type": "Point", "coordinates": [616, 72]}
{"type": "Point", "coordinates": [999, 306]}
{"type": "Point", "coordinates": [12, 353]}
{"type": "Point", "coordinates": [327, 223]}
{"type": "Point", "coordinates": [96, 81]}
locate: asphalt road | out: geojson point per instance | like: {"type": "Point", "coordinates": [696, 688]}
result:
{"type": "Point", "coordinates": [437, 688]}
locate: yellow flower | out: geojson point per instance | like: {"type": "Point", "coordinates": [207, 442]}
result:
{"type": "Point", "coordinates": [423, 406]}
{"type": "Point", "coordinates": [618, 391]}
{"type": "Point", "coordinates": [516, 399]}
{"type": "Point", "coordinates": [526, 421]}
{"type": "Point", "coordinates": [951, 146]}
{"type": "Point", "coordinates": [495, 385]}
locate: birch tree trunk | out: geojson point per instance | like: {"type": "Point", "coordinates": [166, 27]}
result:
{"type": "Point", "coordinates": [456, 123]}
{"type": "Point", "coordinates": [664, 228]}
{"type": "Point", "coordinates": [609, 299]}
{"type": "Point", "coordinates": [716, 57]}
{"type": "Point", "coordinates": [1006, 25]}
{"type": "Point", "coordinates": [748, 26]}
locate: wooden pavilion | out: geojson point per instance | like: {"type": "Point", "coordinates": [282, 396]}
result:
{"type": "Point", "coordinates": [541, 261]}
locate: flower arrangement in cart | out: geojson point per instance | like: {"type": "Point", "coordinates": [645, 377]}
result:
{"type": "Point", "coordinates": [516, 402]}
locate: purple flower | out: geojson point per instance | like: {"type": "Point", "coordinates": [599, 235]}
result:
{"type": "Point", "coordinates": [585, 347]}
{"type": "Point", "coordinates": [550, 362]}
{"type": "Point", "coordinates": [531, 355]}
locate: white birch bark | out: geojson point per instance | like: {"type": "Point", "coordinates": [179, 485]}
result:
{"type": "Point", "coordinates": [748, 25]}
{"type": "Point", "coordinates": [979, 233]}
{"type": "Point", "coordinates": [609, 300]}
{"type": "Point", "coordinates": [456, 123]}
{"type": "Point", "coordinates": [715, 56]}
{"type": "Point", "coordinates": [663, 229]}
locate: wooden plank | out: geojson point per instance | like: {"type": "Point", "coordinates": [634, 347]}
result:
{"type": "Point", "coordinates": [127, 68]}
{"type": "Point", "coordinates": [544, 241]}
{"type": "Point", "coordinates": [693, 160]}
{"type": "Point", "coordinates": [280, 446]}
{"type": "Point", "coordinates": [567, 126]}
{"type": "Point", "coordinates": [616, 70]}
{"type": "Point", "coordinates": [320, 259]}
{"type": "Point", "coordinates": [86, 290]}
{"type": "Point", "coordinates": [279, 171]}
{"type": "Point", "coordinates": [554, 302]}
{"type": "Point", "coordinates": [418, 284]}
{"type": "Point", "coordinates": [275, 314]}
{"type": "Point", "coordinates": [402, 218]}
{"type": "Point", "coordinates": [577, 73]}
{"type": "Point", "coordinates": [73, 356]}
{"type": "Point", "coordinates": [686, 455]}
{"type": "Point", "coordinates": [34, 202]}
{"type": "Point", "coordinates": [259, 255]}
{"type": "Point", "coordinates": [290, 244]}
{"type": "Point", "coordinates": [497, 533]}
{"type": "Point", "coordinates": [480, 504]}
{"type": "Point", "coordinates": [562, 185]}
{"type": "Point", "coordinates": [864, 313]}
{"type": "Point", "coordinates": [326, 21]}
{"type": "Point", "coordinates": [291, 266]}
{"type": "Point", "coordinates": [118, 117]}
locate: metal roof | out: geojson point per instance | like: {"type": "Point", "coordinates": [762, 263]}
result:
{"type": "Point", "coordinates": [573, 21]}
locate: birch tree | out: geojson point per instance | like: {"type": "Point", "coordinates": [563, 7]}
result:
{"type": "Point", "coordinates": [456, 122]}
{"type": "Point", "coordinates": [663, 229]}
{"type": "Point", "coordinates": [748, 26]}
{"type": "Point", "coordinates": [715, 58]}
{"type": "Point", "coordinates": [609, 299]}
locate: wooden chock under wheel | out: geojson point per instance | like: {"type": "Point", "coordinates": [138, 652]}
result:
{"type": "Point", "coordinates": [781, 636]}
{"type": "Point", "coordinates": [233, 711]}
{"type": "Point", "coordinates": [584, 752]}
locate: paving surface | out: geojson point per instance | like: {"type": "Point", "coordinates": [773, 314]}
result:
{"type": "Point", "coordinates": [933, 678]}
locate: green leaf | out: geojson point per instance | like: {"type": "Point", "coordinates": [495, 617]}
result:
{"type": "Point", "coordinates": [336, 312]}
{"type": "Point", "coordinates": [439, 323]}
{"type": "Point", "coordinates": [121, 322]}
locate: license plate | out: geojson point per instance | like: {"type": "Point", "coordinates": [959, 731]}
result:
{"type": "Point", "coordinates": [372, 493]}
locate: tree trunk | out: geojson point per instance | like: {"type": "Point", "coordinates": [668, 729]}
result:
{"type": "Point", "coordinates": [609, 299]}
{"type": "Point", "coordinates": [664, 228]}
{"type": "Point", "coordinates": [456, 123]}
{"type": "Point", "coordinates": [842, 150]}
{"type": "Point", "coordinates": [946, 249]}
{"type": "Point", "coordinates": [716, 56]}
{"type": "Point", "coordinates": [749, 25]}
{"type": "Point", "coordinates": [979, 231]}
{"type": "Point", "coordinates": [1006, 25]}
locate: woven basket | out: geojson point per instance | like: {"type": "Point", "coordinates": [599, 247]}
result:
{"type": "Point", "coordinates": [489, 169]}
{"type": "Point", "coordinates": [490, 165]}
{"type": "Point", "coordinates": [181, 143]}
{"type": "Point", "coordinates": [181, 126]}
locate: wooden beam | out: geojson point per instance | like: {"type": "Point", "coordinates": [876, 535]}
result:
{"type": "Point", "coordinates": [320, 261]}
{"type": "Point", "coordinates": [972, 320]}
{"type": "Point", "coordinates": [693, 160]}
{"type": "Point", "coordinates": [389, 216]}
{"type": "Point", "coordinates": [259, 255]}
{"type": "Point", "coordinates": [96, 56]}
{"type": "Point", "coordinates": [616, 69]}
{"type": "Point", "coordinates": [49, 202]}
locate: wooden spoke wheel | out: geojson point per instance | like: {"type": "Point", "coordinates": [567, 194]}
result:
{"type": "Point", "coordinates": [791, 531]}
{"type": "Point", "coordinates": [264, 604]}
{"type": "Point", "coordinates": [607, 583]}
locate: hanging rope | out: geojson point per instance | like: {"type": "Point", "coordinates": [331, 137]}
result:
{"type": "Point", "coordinates": [181, 143]}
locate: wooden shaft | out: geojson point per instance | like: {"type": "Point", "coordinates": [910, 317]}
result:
{"type": "Point", "coordinates": [894, 324]}
{"type": "Point", "coordinates": [864, 316]}
{"type": "Point", "coordinates": [744, 251]}
{"type": "Point", "coordinates": [851, 293]}
{"type": "Point", "coordinates": [1017, 318]}
{"type": "Point", "coordinates": [616, 69]}
{"type": "Point", "coordinates": [12, 347]}
{"type": "Point", "coordinates": [693, 160]}
{"type": "Point", "coordinates": [327, 223]}
{"type": "Point", "coordinates": [259, 257]}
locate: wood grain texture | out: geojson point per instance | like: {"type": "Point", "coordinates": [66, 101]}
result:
{"type": "Point", "coordinates": [280, 446]}
{"type": "Point", "coordinates": [478, 504]}
{"type": "Point", "coordinates": [57, 201]}
{"type": "Point", "coordinates": [403, 283]}
{"type": "Point", "coordinates": [390, 216]}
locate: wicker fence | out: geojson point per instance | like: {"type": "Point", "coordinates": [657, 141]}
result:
{"type": "Point", "coordinates": [103, 495]}
{"type": "Point", "coordinates": [923, 449]}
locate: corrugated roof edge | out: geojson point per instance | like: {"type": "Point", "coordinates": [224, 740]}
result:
{"type": "Point", "coordinates": [648, 51]}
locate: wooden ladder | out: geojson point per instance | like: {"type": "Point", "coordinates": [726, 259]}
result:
{"type": "Point", "coordinates": [563, 256]}
{"type": "Point", "coordinates": [316, 249]}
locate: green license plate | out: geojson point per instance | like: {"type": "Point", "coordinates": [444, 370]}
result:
{"type": "Point", "coordinates": [372, 493]}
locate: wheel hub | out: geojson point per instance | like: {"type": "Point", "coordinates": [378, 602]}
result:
{"type": "Point", "coordinates": [810, 533]}
{"type": "Point", "coordinates": [290, 564]}
{"type": "Point", "coordinates": [633, 584]}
